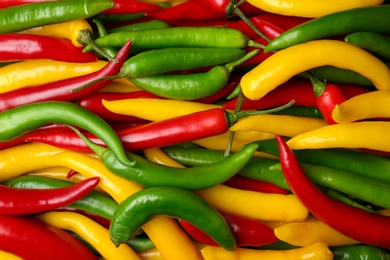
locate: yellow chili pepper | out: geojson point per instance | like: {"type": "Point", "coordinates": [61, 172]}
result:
{"type": "Point", "coordinates": [93, 233]}
{"type": "Point", "coordinates": [253, 204]}
{"type": "Point", "coordinates": [31, 73]}
{"type": "Point", "coordinates": [371, 135]}
{"type": "Point", "coordinates": [315, 251]}
{"type": "Point", "coordinates": [8, 256]}
{"type": "Point", "coordinates": [309, 8]}
{"type": "Point", "coordinates": [312, 231]}
{"type": "Point", "coordinates": [158, 156]}
{"type": "Point", "coordinates": [119, 86]}
{"type": "Point", "coordinates": [291, 61]}
{"type": "Point", "coordinates": [68, 30]}
{"type": "Point", "coordinates": [284, 125]}
{"type": "Point", "coordinates": [150, 254]}
{"type": "Point", "coordinates": [369, 105]}
{"type": "Point", "coordinates": [155, 109]}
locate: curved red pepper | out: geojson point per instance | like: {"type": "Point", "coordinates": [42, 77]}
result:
{"type": "Point", "coordinates": [15, 47]}
{"type": "Point", "coordinates": [17, 201]}
{"type": "Point", "coordinates": [285, 22]}
{"type": "Point", "coordinates": [247, 231]}
{"type": "Point", "coordinates": [62, 90]}
{"type": "Point", "coordinates": [131, 7]}
{"type": "Point", "coordinates": [8, 3]}
{"type": "Point", "coordinates": [243, 183]}
{"type": "Point", "coordinates": [361, 225]}
{"type": "Point", "coordinates": [327, 101]}
{"type": "Point", "coordinates": [30, 238]}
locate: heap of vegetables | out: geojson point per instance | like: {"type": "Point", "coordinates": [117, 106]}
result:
{"type": "Point", "coordinates": [194, 129]}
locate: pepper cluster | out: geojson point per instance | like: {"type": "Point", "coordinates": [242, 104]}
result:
{"type": "Point", "coordinates": [194, 129]}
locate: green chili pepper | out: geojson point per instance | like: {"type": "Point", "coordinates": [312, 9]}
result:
{"type": "Point", "coordinates": [139, 244]}
{"type": "Point", "coordinates": [149, 174]}
{"type": "Point", "coordinates": [360, 251]}
{"type": "Point", "coordinates": [367, 19]}
{"type": "Point", "coordinates": [190, 86]}
{"type": "Point", "coordinates": [21, 17]}
{"type": "Point", "coordinates": [19, 120]}
{"type": "Point", "coordinates": [301, 111]}
{"type": "Point", "coordinates": [140, 207]}
{"type": "Point", "coordinates": [205, 37]}
{"type": "Point", "coordinates": [373, 42]}
{"type": "Point", "coordinates": [94, 202]}
{"type": "Point", "coordinates": [153, 24]}
{"type": "Point", "coordinates": [118, 18]}
{"type": "Point", "coordinates": [103, 32]}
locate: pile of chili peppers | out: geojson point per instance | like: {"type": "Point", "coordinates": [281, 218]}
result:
{"type": "Point", "coordinates": [194, 129]}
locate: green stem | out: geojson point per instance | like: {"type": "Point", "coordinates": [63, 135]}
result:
{"type": "Point", "coordinates": [231, 65]}
{"type": "Point", "coordinates": [318, 85]}
{"type": "Point", "coordinates": [85, 39]}
{"type": "Point", "coordinates": [95, 81]}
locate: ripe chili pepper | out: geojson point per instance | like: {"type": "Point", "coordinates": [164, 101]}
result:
{"type": "Point", "coordinates": [359, 251]}
{"type": "Point", "coordinates": [93, 233]}
{"type": "Point", "coordinates": [149, 174]}
{"type": "Point", "coordinates": [19, 120]}
{"type": "Point", "coordinates": [17, 18]}
{"type": "Point", "coordinates": [143, 205]}
{"type": "Point", "coordinates": [190, 86]}
{"type": "Point", "coordinates": [8, 3]}
{"type": "Point", "coordinates": [285, 64]}
{"type": "Point", "coordinates": [130, 7]}
{"type": "Point", "coordinates": [18, 201]}
{"type": "Point", "coordinates": [14, 47]}
{"type": "Point", "coordinates": [371, 19]}
{"type": "Point", "coordinates": [140, 25]}
{"type": "Point", "coordinates": [94, 202]}
{"type": "Point", "coordinates": [62, 90]}
{"type": "Point", "coordinates": [224, 92]}
{"type": "Point", "coordinates": [243, 183]}
{"type": "Point", "coordinates": [285, 22]}
{"type": "Point", "coordinates": [373, 42]}
{"type": "Point", "coordinates": [24, 236]}
{"type": "Point", "coordinates": [343, 218]}
{"type": "Point", "coordinates": [247, 231]}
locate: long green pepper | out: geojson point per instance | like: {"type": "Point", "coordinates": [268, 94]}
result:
{"type": "Point", "coordinates": [21, 17]}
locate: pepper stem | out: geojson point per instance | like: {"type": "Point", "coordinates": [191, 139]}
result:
{"type": "Point", "coordinates": [232, 65]}
{"type": "Point", "coordinates": [318, 85]}
{"type": "Point", "coordinates": [85, 39]}
{"type": "Point", "coordinates": [95, 81]}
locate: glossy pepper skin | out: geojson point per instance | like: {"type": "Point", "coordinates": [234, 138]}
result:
{"type": "Point", "coordinates": [143, 205]}
{"type": "Point", "coordinates": [24, 236]}
{"type": "Point", "coordinates": [16, 201]}
{"type": "Point", "coordinates": [344, 218]}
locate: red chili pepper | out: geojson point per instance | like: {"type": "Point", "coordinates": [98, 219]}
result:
{"type": "Point", "coordinates": [30, 238]}
{"type": "Point", "coordinates": [243, 183]}
{"type": "Point", "coordinates": [131, 7]}
{"type": "Point", "coordinates": [15, 47]}
{"type": "Point", "coordinates": [247, 231]}
{"type": "Point", "coordinates": [190, 10]}
{"type": "Point", "coordinates": [361, 225]}
{"type": "Point", "coordinates": [62, 90]}
{"type": "Point", "coordinates": [94, 104]}
{"type": "Point", "coordinates": [9, 3]}
{"type": "Point", "coordinates": [283, 21]}
{"type": "Point", "coordinates": [99, 219]}
{"type": "Point", "coordinates": [17, 201]}
{"type": "Point", "coordinates": [217, 23]}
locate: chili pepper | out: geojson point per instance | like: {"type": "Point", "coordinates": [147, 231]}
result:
{"type": "Point", "coordinates": [247, 231]}
{"type": "Point", "coordinates": [114, 19]}
{"type": "Point", "coordinates": [151, 24]}
{"type": "Point", "coordinates": [26, 16]}
{"type": "Point", "coordinates": [359, 251]}
{"type": "Point", "coordinates": [206, 37]}
{"type": "Point", "coordinates": [243, 183]}
{"type": "Point", "coordinates": [283, 65]}
{"type": "Point", "coordinates": [26, 201]}
{"type": "Point", "coordinates": [93, 202]}
{"type": "Point", "coordinates": [36, 72]}
{"type": "Point", "coordinates": [9, 3]}
{"type": "Point", "coordinates": [190, 86]}
{"type": "Point", "coordinates": [24, 236]}
{"type": "Point", "coordinates": [19, 120]}
{"type": "Point", "coordinates": [373, 42]}
{"type": "Point", "coordinates": [156, 155]}
{"type": "Point", "coordinates": [190, 10]}
{"type": "Point", "coordinates": [143, 205]}
{"type": "Point", "coordinates": [285, 22]}
{"type": "Point", "coordinates": [62, 90]}
{"type": "Point", "coordinates": [130, 7]}
{"type": "Point", "coordinates": [301, 111]}
{"type": "Point", "coordinates": [9, 256]}
{"type": "Point", "coordinates": [103, 32]}
{"type": "Point", "coordinates": [371, 19]}
{"type": "Point", "coordinates": [150, 174]}
{"type": "Point", "coordinates": [225, 91]}
{"type": "Point", "coordinates": [95, 234]}
{"type": "Point", "coordinates": [370, 106]}
{"type": "Point", "coordinates": [345, 219]}
{"type": "Point", "coordinates": [345, 136]}
{"type": "Point", "coordinates": [15, 47]}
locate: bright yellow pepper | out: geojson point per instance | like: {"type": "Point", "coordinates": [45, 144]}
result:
{"type": "Point", "coordinates": [156, 155]}
{"type": "Point", "coordinates": [310, 8]}
{"type": "Point", "coordinates": [284, 125]}
{"type": "Point", "coordinates": [118, 86]}
{"type": "Point", "coordinates": [299, 58]}
{"type": "Point", "coordinates": [155, 109]}
{"type": "Point", "coordinates": [315, 251]}
{"type": "Point", "coordinates": [373, 104]}
{"type": "Point", "coordinates": [8, 256]}
{"type": "Point", "coordinates": [370, 134]}
{"type": "Point", "coordinates": [311, 231]}
{"type": "Point", "coordinates": [92, 232]}
{"type": "Point", "coordinates": [150, 254]}
{"type": "Point", "coordinates": [68, 30]}
{"type": "Point", "coordinates": [253, 204]}
{"type": "Point", "coordinates": [30, 73]}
